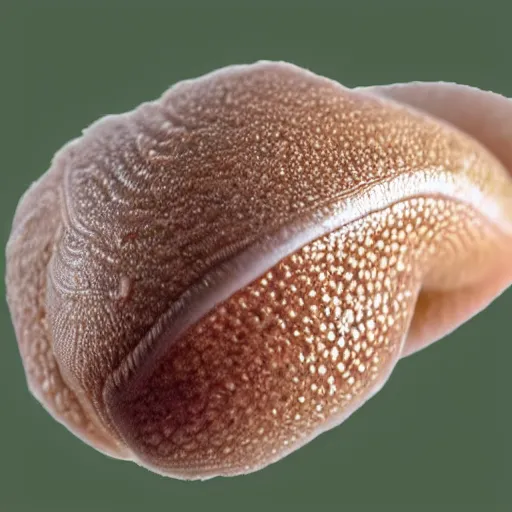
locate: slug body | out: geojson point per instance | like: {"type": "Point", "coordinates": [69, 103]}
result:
{"type": "Point", "coordinates": [207, 283]}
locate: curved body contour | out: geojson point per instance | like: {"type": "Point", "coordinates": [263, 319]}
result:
{"type": "Point", "coordinates": [208, 282]}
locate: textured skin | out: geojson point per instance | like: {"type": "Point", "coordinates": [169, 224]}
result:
{"type": "Point", "coordinates": [297, 349]}
{"type": "Point", "coordinates": [131, 260]}
{"type": "Point", "coordinates": [28, 260]}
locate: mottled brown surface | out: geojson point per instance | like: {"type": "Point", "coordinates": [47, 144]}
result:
{"type": "Point", "coordinates": [299, 347]}
{"type": "Point", "coordinates": [148, 204]}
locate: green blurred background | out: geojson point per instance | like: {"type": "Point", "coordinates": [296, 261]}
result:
{"type": "Point", "coordinates": [437, 438]}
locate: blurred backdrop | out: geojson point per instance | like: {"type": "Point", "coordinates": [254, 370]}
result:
{"type": "Point", "coordinates": [437, 438]}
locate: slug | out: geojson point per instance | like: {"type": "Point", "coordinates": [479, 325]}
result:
{"type": "Point", "coordinates": [205, 284]}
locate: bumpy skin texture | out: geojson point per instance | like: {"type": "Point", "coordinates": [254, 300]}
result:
{"type": "Point", "coordinates": [208, 282]}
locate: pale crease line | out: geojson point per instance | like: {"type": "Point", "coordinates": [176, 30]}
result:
{"type": "Point", "coordinates": [222, 282]}
{"type": "Point", "coordinates": [69, 216]}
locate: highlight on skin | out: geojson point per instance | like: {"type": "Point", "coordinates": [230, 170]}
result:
{"type": "Point", "coordinates": [208, 282]}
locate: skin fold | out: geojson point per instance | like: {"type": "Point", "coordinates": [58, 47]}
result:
{"type": "Point", "coordinates": [208, 282]}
